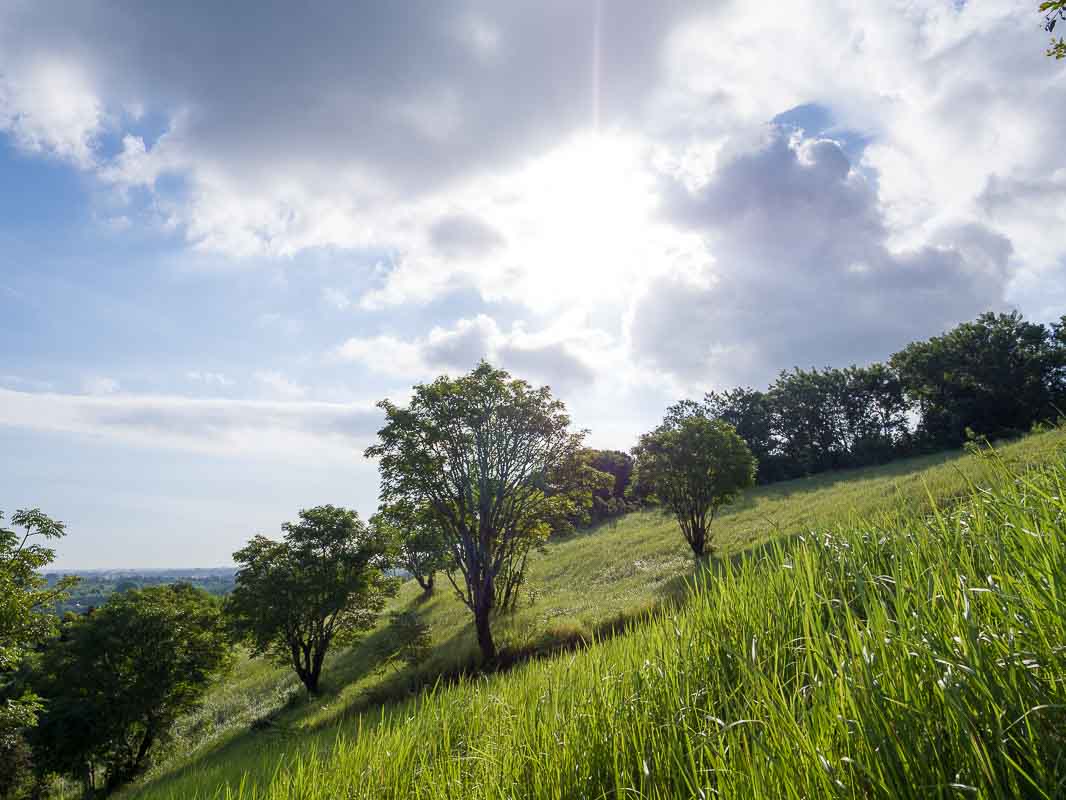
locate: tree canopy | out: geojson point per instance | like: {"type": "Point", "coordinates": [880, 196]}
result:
{"type": "Point", "coordinates": [994, 376]}
{"type": "Point", "coordinates": [321, 585]}
{"type": "Point", "coordinates": [416, 539]}
{"type": "Point", "coordinates": [494, 462]}
{"type": "Point", "coordinates": [118, 678]}
{"type": "Point", "coordinates": [695, 465]}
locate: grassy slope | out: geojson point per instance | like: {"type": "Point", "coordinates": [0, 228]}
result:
{"type": "Point", "coordinates": [582, 583]}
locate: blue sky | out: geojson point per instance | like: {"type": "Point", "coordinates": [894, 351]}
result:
{"type": "Point", "coordinates": [225, 235]}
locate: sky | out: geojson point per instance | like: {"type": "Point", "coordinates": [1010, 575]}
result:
{"type": "Point", "coordinates": [228, 230]}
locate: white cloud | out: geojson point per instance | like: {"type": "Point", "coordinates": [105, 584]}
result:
{"type": "Point", "coordinates": [280, 386]}
{"type": "Point", "coordinates": [25, 384]}
{"type": "Point", "coordinates": [385, 355]}
{"type": "Point", "coordinates": [546, 356]}
{"type": "Point", "coordinates": [464, 151]}
{"type": "Point", "coordinates": [207, 378]}
{"type": "Point", "coordinates": [48, 106]}
{"type": "Point", "coordinates": [280, 322]}
{"type": "Point", "coordinates": [288, 430]}
{"type": "Point", "coordinates": [336, 298]}
{"type": "Point", "coordinates": [100, 384]}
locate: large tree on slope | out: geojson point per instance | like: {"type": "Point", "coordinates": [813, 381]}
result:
{"type": "Point", "coordinates": [481, 454]}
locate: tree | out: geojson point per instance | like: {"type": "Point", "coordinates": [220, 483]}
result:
{"type": "Point", "coordinates": [875, 414]}
{"type": "Point", "coordinates": [416, 538]}
{"type": "Point", "coordinates": [569, 487]}
{"type": "Point", "coordinates": [26, 620]}
{"type": "Point", "coordinates": [809, 419]}
{"type": "Point", "coordinates": [750, 412]}
{"type": "Point", "coordinates": [322, 585]}
{"type": "Point", "coordinates": [996, 376]}
{"type": "Point", "coordinates": [610, 501]}
{"type": "Point", "coordinates": [1054, 12]}
{"type": "Point", "coordinates": [696, 465]}
{"type": "Point", "coordinates": [117, 679]}
{"type": "Point", "coordinates": [480, 453]}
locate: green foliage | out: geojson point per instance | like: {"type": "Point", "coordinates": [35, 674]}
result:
{"type": "Point", "coordinates": [910, 655]}
{"type": "Point", "coordinates": [695, 465]}
{"type": "Point", "coordinates": [610, 501]}
{"type": "Point", "coordinates": [1054, 12]}
{"type": "Point", "coordinates": [995, 375]}
{"type": "Point", "coordinates": [25, 621]}
{"type": "Point", "coordinates": [25, 596]}
{"type": "Point", "coordinates": [117, 679]}
{"type": "Point", "coordinates": [596, 585]}
{"type": "Point", "coordinates": [489, 458]}
{"type": "Point", "coordinates": [322, 585]}
{"type": "Point", "coordinates": [415, 538]}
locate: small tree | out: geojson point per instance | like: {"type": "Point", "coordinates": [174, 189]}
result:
{"type": "Point", "coordinates": [417, 540]}
{"type": "Point", "coordinates": [694, 465]}
{"type": "Point", "coordinates": [320, 586]}
{"type": "Point", "coordinates": [478, 453]}
{"type": "Point", "coordinates": [118, 678]}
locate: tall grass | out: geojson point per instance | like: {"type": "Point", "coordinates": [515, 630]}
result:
{"type": "Point", "coordinates": [913, 654]}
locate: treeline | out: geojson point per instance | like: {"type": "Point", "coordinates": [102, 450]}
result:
{"type": "Point", "coordinates": [994, 377]}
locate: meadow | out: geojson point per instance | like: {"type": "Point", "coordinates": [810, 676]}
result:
{"type": "Point", "coordinates": [894, 631]}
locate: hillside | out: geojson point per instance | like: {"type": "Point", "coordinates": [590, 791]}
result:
{"type": "Point", "coordinates": [728, 655]}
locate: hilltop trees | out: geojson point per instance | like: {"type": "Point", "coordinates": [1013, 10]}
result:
{"type": "Point", "coordinates": [322, 585]}
{"type": "Point", "coordinates": [995, 375]}
{"type": "Point", "coordinates": [487, 456]}
{"type": "Point", "coordinates": [117, 679]}
{"type": "Point", "coordinates": [694, 465]}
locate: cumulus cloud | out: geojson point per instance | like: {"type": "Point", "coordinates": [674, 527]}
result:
{"type": "Point", "coordinates": [459, 348]}
{"type": "Point", "coordinates": [803, 271]}
{"type": "Point", "coordinates": [597, 166]}
{"type": "Point", "coordinates": [368, 118]}
{"type": "Point", "coordinates": [49, 107]}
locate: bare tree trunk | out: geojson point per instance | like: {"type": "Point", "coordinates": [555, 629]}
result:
{"type": "Point", "coordinates": [482, 613]}
{"type": "Point", "coordinates": [425, 581]}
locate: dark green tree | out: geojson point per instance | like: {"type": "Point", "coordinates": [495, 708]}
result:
{"type": "Point", "coordinates": [117, 679]}
{"type": "Point", "coordinates": [750, 412]}
{"type": "Point", "coordinates": [875, 414]}
{"type": "Point", "coordinates": [322, 585]}
{"type": "Point", "coordinates": [696, 465]}
{"type": "Point", "coordinates": [479, 453]}
{"type": "Point", "coordinates": [416, 541]}
{"type": "Point", "coordinates": [610, 501]}
{"type": "Point", "coordinates": [996, 376]}
{"type": "Point", "coordinates": [810, 420]}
